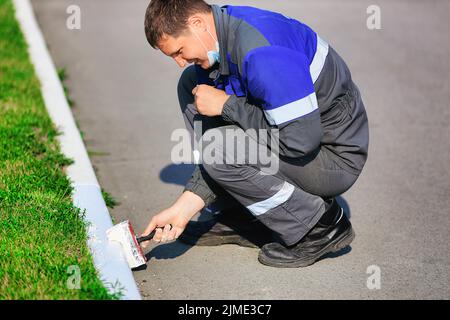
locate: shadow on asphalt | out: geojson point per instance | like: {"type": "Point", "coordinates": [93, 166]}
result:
{"type": "Point", "coordinates": [173, 250]}
{"type": "Point", "coordinates": [167, 251]}
{"type": "Point", "coordinates": [163, 252]}
{"type": "Point", "coordinates": [179, 174]}
{"type": "Point", "coordinates": [176, 173]}
{"type": "Point", "coordinates": [333, 255]}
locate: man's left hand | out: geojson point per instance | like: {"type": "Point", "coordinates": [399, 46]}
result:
{"type": "Point", "coordinates": [209, 101]}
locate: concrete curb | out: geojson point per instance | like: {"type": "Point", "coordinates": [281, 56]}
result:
{"type": "Point", "coordinates": [108, 258]}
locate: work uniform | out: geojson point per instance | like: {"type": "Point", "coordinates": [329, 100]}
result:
{"type": "Point", "coordinates": [280, 75]}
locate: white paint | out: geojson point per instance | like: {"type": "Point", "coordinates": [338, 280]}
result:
{"type": "Point", "coordinates": [121, 233]}
{"type": "Point", "coordinates": [108, 257]}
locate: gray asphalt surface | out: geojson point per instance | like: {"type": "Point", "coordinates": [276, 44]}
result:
{"type": "Point", "coordinates": [127, 107]}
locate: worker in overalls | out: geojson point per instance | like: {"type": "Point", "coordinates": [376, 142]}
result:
{"type": "Point", "coordinates": [268, 78]}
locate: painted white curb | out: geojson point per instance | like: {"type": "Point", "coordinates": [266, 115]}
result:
{"type": "Point", "coordinates": [108, 257]}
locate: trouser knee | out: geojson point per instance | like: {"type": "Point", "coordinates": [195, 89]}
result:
{"type": "Point", "coordinates": [226, 149]}
{"type": "Point", "coordinates": [186, 83]}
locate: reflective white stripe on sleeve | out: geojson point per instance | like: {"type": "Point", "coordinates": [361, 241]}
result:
{"type": "Point", "coordinates": [278, 198]}
{"type": "Point", "coordinates": [292, 110]}
{"type": "Point", "coordinates": [319, 59]}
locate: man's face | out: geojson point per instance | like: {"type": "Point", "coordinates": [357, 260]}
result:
{"type": "Point", "coordinates": [186, 49]}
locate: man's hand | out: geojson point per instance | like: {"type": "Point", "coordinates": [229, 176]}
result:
{"type": "Point", "coordinates": [162, 221]}
{"type": "Point", "coordinates": [178, 215]}
{"type": "Point", "coordinates": [209, 101]}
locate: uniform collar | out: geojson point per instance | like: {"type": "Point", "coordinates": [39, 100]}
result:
{"type": "Point", "coordinates": [221, 19]}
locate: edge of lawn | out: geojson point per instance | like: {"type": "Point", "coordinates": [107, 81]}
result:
{"type": "Point", "coordinates": [44, 235]}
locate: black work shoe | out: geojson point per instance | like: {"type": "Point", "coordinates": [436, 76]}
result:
{"type": "Point", "coordinates": [232, 226]}
{"type": "Point", "coordinates": [332, 233]}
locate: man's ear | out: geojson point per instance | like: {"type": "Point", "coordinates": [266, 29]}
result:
{"type": "Point", "coordinates": [197, 22]}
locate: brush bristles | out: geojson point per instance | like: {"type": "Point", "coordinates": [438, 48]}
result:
{"type": "Point", "coordinates": [123, 233]}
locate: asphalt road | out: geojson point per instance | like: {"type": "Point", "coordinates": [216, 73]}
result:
{"type": "Point", "coordinates": [127, 107]}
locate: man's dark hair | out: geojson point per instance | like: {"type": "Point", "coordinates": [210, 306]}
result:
{"type": "Point", "coordinates": [169, 17]}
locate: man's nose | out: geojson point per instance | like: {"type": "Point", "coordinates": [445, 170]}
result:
{"type": "Point", "coordinates": [180, 61]}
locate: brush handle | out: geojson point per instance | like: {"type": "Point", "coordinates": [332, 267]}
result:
{"type": "Point", "coordinates": [148, 237]}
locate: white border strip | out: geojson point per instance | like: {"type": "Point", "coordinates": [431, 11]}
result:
{"type": "Point", "coordinates": [319, 59]}
{"type": "Point", "coordinates": [292, 110]}
{"type": "Point", "coordinates": [278, 198]}
{"type": "Point", "coordinates": [108, 257]}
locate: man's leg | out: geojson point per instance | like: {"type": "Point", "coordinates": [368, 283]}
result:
{"type": "Point", "coordinates": [279, 204]}
{"type": "Point", "coordinates": [289, 202]}
{"type": "Point", "coordinates": [324, 176]}
{"type": "Point", "coordinates": [234, 224]}
{"type": "Point", "coordinates": [186, 84]}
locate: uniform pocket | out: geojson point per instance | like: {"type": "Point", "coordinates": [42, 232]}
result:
{"type": "Point", "coordinates": [338, 113]}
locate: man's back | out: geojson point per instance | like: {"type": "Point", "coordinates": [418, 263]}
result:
{"type": "Point", "coordinates": [282, 66]}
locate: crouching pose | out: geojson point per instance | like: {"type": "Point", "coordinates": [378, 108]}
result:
{"type": "Point", "coordinates": [258, 71]}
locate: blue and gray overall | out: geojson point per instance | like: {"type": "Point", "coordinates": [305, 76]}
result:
{"type": "Point", "coordinates": [280, 74]}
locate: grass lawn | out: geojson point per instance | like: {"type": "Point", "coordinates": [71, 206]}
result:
{"type": "Point", "coordinates": [42, 235]}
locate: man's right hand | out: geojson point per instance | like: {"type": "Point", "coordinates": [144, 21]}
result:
{"type": "Point", "coordinates": [163, 221]}
{"type": "Point", "coordinates": [178, 215]}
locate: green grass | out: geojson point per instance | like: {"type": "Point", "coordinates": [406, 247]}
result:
{"type": "Point", "coordinates": [109, 199]}
{"type": "Point", "coordinates": [41, 233]}
{"type": "Point", "coordinates": [62, 74]}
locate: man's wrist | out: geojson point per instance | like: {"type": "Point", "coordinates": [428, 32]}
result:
{"type": "Point", "coordinates": [226, 98]}
{"type": "Point", "coordinates": [188, 204]}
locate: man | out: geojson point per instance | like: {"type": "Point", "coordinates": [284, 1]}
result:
{"type": "Point", "coordinates": [256, 69]}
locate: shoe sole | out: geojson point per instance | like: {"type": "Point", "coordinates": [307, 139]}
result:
{"type": "Point", "coordinates": [340, 243]}
{"type": "Point", "coordinates": [217, 241]}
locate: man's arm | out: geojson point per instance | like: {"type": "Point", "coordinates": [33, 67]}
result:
{"type": "Point", "coordinates": [202, 185]}
{"type": "Point", "coordinates": [280, 80]}
{"type": "Point", "coordinates": [297, 137]}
